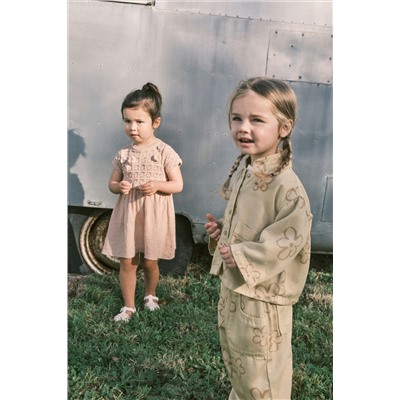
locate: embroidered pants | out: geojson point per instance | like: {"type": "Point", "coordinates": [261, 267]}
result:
{"type": "Point", "coordinates": [255, 339]}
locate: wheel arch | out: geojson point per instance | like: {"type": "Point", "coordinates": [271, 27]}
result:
{"type": "Point", "coordinates": [87, 227]}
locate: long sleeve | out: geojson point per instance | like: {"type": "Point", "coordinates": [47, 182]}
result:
{"type": "Point", "coordinates": [269, 235]}
{"type": "Point", "coordinates": [278, 245]}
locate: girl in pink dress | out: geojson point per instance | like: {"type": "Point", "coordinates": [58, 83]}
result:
{"type": "Point", "coordinates": [145, 175]}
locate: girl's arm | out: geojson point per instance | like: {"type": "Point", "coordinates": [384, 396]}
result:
{"type": "Point", "coordinates": [116, 185]}
{"type": "Point", "coordinates": [279, 244]}
{"type": "Point", "coordinates": [173, 185]}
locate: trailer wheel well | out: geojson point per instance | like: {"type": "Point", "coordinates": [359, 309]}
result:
{"type": "Point", "coordinates": [92, 236]}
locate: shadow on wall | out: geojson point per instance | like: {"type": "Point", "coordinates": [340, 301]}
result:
{"type": "Point", "coordinates": [76, 148]}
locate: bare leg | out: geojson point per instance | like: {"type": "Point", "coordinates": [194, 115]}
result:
{"type": "Point", "coordinates": [127, 279]}
{"type": "Point", "coordinates": [151, 276]}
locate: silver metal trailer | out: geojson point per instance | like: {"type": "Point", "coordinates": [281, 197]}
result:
{"type": "Point", "coordinates": [196, 52]}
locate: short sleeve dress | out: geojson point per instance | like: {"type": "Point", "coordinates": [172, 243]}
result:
{"type": "Point", "coordinates": [140, 223]}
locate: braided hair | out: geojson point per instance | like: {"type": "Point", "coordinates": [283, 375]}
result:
{"type": "Point", "coordinates": [283, 102]}
{"type": "Point", "coordinates": [225, 187]}
{"type": "Point", "coordinates": [149, 98]}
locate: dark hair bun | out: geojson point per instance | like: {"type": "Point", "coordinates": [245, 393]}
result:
{"type": "Point", "coordinates": [152, 88]}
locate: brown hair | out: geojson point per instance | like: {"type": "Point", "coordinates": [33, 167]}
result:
{"type": "Point", "coordinates": [283, 101]}
{"type": "Point", "coordinates": [149, 98]}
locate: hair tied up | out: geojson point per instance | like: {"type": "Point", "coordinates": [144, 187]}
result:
{"type": "Point", "coordinates": [150, 87]}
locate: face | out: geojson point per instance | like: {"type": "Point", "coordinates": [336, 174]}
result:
{"type": "Point", "coordinates": [255, 130]}
{"type": "Point", "coordinates": [138, 125]}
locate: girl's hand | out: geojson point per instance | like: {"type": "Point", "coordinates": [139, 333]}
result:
{"type": "Point", "coordinates": [125, 187]}
{"type": "Point", "coordinates": [213, 227]}
{"type": "Point", "coordinates": [149, 188]}
{"type": "Point", "coordinates": [227, 257]}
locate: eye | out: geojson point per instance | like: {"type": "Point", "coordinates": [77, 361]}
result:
{"type": "Point", "coordinates": [235, 118]}
{"type": "Point", "coordinates": [258, 120]}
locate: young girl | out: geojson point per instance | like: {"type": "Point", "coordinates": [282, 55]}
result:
{"type": "Point", "coordinates": [261, 249]}
{"type": "Point", "coordinates": [145, 174]}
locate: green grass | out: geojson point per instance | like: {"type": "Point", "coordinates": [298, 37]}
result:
{"type": "Point", "coordinates": [174, 353]}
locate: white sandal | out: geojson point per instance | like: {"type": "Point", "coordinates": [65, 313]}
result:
{"type": "Point", "coordinates": [151, 302]}
{"type": "Point", "coordinates": [123, 315]}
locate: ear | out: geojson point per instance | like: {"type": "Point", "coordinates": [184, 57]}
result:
{"type": "Point", "coordinates": [286, 128]}
{"type": "Point", "coordinates": [156, 123]}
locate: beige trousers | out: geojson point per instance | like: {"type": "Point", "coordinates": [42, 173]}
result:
{"type": "Point", "coordinates": [255, 339]}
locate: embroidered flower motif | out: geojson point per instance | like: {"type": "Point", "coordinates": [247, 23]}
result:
{"type": "Point", "coordinates": [274, 340]}
{"type": "Point", "coordinates": [265, 170]}
{"type": "Point", "coordinates": [273, 289]}
{"type": "Point", "coordinates": [237, 367]}
{"type": "Point", "coordinates": [250, 274]}
{"type": "Point", "coordinates": [278, 288]}
{"type": "Point", "coordinates": [260, 336]}
{"type": "Point", "coordinates": [233, 366]}
{"type": "Point", "coordinates": [262, 182]}
{"type": "Point", "coordinates": [289, 243]}
{"type": "Point", "coordinates": [228, 363]}
{"type": "Point", "coordinates": [305, 253]}
{"type": "Point", "coordinates": [257, 394]}
{"type": "Point", "coordinates": [221, 307]}
{"type": "Point", "coordinates": [261, 292]}
{"type": "Point", "coordinates": [293, 194]}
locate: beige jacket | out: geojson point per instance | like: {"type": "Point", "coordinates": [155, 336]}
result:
{"type": "Point", "coordinates": [267, 224]}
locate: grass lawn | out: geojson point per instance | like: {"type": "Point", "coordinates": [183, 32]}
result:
{"type": "Point", "coordinates": [174, 353]}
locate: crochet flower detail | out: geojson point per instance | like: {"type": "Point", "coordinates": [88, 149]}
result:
{"type": "Point", "coordinates": [124, 159]}
{"type": "Point", "coordinates": [250, 274]}
{"type": "Point", "coordinates": [290, 242]}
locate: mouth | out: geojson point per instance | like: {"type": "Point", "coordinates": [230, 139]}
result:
{"type": "Point", "coordinates": [245, 141]}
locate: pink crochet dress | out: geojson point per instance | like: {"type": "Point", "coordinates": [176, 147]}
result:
{"type": "Point", "coordinates": [139, 223]}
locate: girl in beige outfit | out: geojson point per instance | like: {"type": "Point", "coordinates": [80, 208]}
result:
{"type": "Point", "coordinates": [145, 175]}
{"type": "Point", "coordinates": [261, 248]}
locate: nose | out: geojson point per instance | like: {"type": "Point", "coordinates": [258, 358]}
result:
{"type": "Point", "coordinates": [244, 127]}
{"type": "Point", "coordinates": [133, 126]}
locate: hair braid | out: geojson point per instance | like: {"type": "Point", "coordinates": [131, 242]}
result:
{"type": "Point", "coordinates": [286, 153]}
{"type": "Point", "coordinates": [225, 186]}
